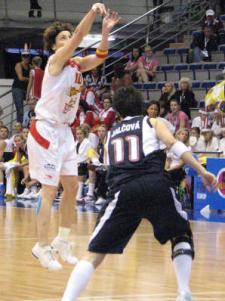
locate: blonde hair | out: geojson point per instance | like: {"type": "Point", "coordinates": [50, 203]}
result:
{"type": "Point", "coordinates": [85, 129]}
{"type": "Point", "coordinates": [37, 61]}
{"type": "Point", "coordinates": [178, 132]}
{"type": "Point", "coordinates": [185, 80]}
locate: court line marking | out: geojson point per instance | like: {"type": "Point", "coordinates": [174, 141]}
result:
{"type": "Point", "coordinates": [168, 296]}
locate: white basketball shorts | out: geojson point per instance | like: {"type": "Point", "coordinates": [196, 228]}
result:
{"type": "Point", "coordinates": [51, 152]}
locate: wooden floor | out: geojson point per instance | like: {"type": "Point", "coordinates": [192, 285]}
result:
{"type": "Point", "coordinates": [143, 273]}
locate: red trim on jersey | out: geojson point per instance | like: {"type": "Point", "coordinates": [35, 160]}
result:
{"type": "Point", "coordinates": [37, 136]}
{"type": "Point", "coordinates": [73, 64]}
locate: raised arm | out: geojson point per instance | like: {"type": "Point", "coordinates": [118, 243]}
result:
{"type": "Point", "coordinates": [91, 61]}
{"type": "Point", "coordinates": [183, 153]}
{"type": "Point", "coordinates": [63, 54]}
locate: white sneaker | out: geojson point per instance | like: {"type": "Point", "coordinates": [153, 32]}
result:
{"type": "Point", "coordinates": [184, 297]}
{"type": "Point", "coordinates": [31, 195]}
{"type": "Point", "coordinates": [88, 199]}
{"type": "Point", "coordinates": [45, 256]}
{"type": "Point", "coordinates": [24, 194]}
{"type": "Point", "coordinates": [64, 249]}
{"type": "Point", "coordinates": [100, 201]}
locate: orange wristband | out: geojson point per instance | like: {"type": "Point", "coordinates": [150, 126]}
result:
{"type": "Point", "coordinates": [102, 54]}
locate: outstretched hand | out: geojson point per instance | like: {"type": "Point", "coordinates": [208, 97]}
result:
{"type": "Point", "coordinates": [110, 20]}
{"type": "Point", "coordinates": [99, 8]}
{"type": "Point", "coordinates": [210, 181]}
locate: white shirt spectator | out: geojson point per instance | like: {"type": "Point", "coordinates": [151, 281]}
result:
{"type": "Point", "coordinates": [82, 150]}
{"type": "Point", "coordinates": [222, 146]}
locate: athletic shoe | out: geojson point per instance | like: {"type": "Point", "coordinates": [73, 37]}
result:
{"type": "Point", "coordinates": [100, 201]}
{"type": "Point", "coordinates": [64, 249]}
{"type": "Point", "coordinates": [184, 297]}
{"type": "Point", "coordinates": [45, 256]}
{"type": "Point", "coordinates": [88, 199]}
{"type": "Point", "coordinates": [31, 195]}
{"type": "Point", "coordinates": [24, 194]}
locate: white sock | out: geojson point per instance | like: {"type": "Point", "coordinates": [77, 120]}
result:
{"type": "Point", "coordinates": [91, 188]}
{"type": "Point", "coordinates": [182, 266]}
{"type": "Point", "coordinates": [80, 190]}
{"type": "Point", "coordinates": [64, 233]}
{"type": "Point", "coordinates": [78, 280]}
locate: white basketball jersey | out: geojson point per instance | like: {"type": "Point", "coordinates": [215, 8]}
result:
{"type": "Point", "coordinates": [60, 95]}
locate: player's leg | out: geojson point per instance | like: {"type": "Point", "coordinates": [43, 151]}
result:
{"type": "Point", "coordinates": [66, 217]}
{"type": "Point", "coordinates": [81, 275]}
{"type": "Point", "coordinates": [42, 249]}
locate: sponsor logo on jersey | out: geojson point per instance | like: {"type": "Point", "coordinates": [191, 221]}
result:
{"type": "Point", "coordinates": [49, 166]}
{"type": "Point", "coordinates": [126, 128]}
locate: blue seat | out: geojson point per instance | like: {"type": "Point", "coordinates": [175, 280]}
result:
{"type": "Point", "coordinates": [182, 51]}
{"type": "Point", "coordinates": [222, 48]}
{"type": "Point", "coordinates": [208, 84]}
{"type": "Point", "coordinates": [196, 33]}
{"type": "Point", "coordinates": [180, 67]}
{"type": "Point", "coordinates": [138, 86]}
{"type": "Point", "coordinates": [167, 67]}
{"type": "Point", "coordinates": [195, 66]}
{"type": "Point", "coordinates": [221, 65]}
{"type": "Point", "coordinates": [160, 85]}
{"type": "Point", "coordinates": [208, 66]}
{"type": "Point", "coordinates": [168, 51]}
{"type": "Point", "coordinates": [196, 84]}
{"type": "Point", "coordinates": [176, 85]}
{"type": "Point", "coordinates": [222, 18]}
{"type": "Point", "coordinates": [149, 86]}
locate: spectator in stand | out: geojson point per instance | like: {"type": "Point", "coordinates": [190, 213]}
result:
{"type": "Point", "coordinates": [35, 79]}
{"type": "Point", "coordinates": [210, 143]}
{"type": "Point", "coordinates": [101, 185]}
{"type": "Point", "coordinates": [185, 96]}
{"type": "Point", "coordinates": [147, 65]}
{"type": "Point", "coordinates": [19, 86]}
{"type": "Point", "coordinates": [195, 140]}
{"type": "Point", "coordinates": [95, 80]}
{"type": "Point", "coordinates": [132, 64]}
{"type": "Point", "coordinates": [30, 113]}
{"type": "Point", "coordinates": [203, 44]}
{"type": "Point", "coordinates": [92, 99]}
{"type": "Point", "coordinates": [177, 118]}
{"type": "Point", "coordinates": [202, 121]}
{"type": "Point", "coordinates": [222, 141]}
{"type": "Point", "coordinates": [168, 93]}
{"type": "Point", "coordinates": [121, 78]}
{"type": "Point", "coordinates": [107, 115]}
{"type": "Point", "coordinates": [218, 123]}
{"type": "Point", "coordinates": [215, 24]}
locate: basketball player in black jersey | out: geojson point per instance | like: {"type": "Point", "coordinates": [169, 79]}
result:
{"type": "Point", "coordinates": [139, 188]}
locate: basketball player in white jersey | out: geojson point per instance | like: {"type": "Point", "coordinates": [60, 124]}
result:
{"type": "Point", "coordinates": [51, 146]}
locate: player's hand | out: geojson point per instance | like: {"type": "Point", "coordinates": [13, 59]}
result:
{"type": "Point", "coordinates": [209, 181]}
{"type": "Point", "coordinates": [110, 20]}
{"type": "Point", "coordinates": [99, 8]}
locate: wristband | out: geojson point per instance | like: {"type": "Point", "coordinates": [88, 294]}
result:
{"type": "Point", "coordinates": [102, 54]}
{"type": "Point", "coordinates": [179, 149]}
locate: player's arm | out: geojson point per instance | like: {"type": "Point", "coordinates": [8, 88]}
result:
{"type": "Point", "coordinates": [29, 86]}
{"type": "Point", "coordinates": [66, 52]}
{"type": "Point", "coordinates": [182, 152]}
{"type": "Point", "coordinates": [19, 73]}
{"type": "Point", "coordinates": [91, 61]}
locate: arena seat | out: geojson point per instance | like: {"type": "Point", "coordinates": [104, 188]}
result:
{"type": "Point", "coordinates": [180, 67]}
{"type": "Point", "coordinates": [217, 56]}
{"type": "Point", "coordinates": [213, 73]}
{"type": "Point", "coordinates": [201, 75]}
{"type": "Point", "coordinates": [160, 76]}
{"type": "Point", "coordinates": [154, 94]}
{"type": "Point", "coordinates": [187, 73]}
{"type": "Point", "coordinates": [167, 68]}
{"type": "Point", "coordinates": [208, 84]}
{"type": "Point", "coordinates": [196, 84]}
{"type": "Point", "coordinates": [172, 76]}
{"type": "Point", "coordinates": [195, 66]}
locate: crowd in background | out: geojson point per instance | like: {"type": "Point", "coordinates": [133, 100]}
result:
{"type": "Point", "coordinates": [96, 116]}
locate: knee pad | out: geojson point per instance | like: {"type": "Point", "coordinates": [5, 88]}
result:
{"type": "Point", "coordinates": [183, 251]}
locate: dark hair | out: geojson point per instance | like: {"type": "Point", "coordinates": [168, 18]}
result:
{"type": "Point", "coordinates": [133, 59]}
{"type": "Point", "coordinates": [4, 127]}
{"type": "Point", "coordinates": [154, 102]}
{"type": "Point", "coordinates": [175, 100]}
{"type": "Point", "coordinates": [128, 102]}
{"type": "Point", "coordinates": [119, 71]}
{"type": "Point", "coordinates": [107, 96]}
{"type": "Point", "coordinates": [52, 31]}
{"type": "Point", "coordinates": [196, 129]}
{"type": "Point", "coordinates": [84, 105]}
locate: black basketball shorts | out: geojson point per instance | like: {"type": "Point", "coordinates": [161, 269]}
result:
{"type": "Point", "coordinates": [151, 197]}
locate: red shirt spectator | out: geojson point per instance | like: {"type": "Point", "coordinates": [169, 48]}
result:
{"type": "Point", "coordinates": [35, 79]}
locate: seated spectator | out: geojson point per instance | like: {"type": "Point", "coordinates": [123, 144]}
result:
{"type": "Point", "coordinates": [132, 64]}
{"type": "Point", "coordinates": [107, 115]}
{"type": "Point", "coordinates": [203, 44]}
{"type": "Point", "coordinates": [195, 140]}
{"type": "Point", "coordinates": [168, 93]}
{"type": "Point", "coordinates": [96, 81]}
{"type": "Point", "coordinates": [185, 96]}
{"type": "Point", "coordinates": [177, 118]}
{"type": "Point", "coordinates": [92, 99]}
{"type": "Point", "coordinates": [218, 123]}
{"type": "Point", "coordinates": [202, 121]}
{"type": "Point", "coordinates": [30, 113]}
{"type": "Point", "coordinates": [222, 141]}
{"type": "Point", "coordinates": [174, 165]}
{"type": "Point", "coordinates": [216, 25]}
{"type": "Point", "coordinates": [35, 79]}
{"type": "Point", "coordinates": [147, 66]}
{"type": "Point", "coordinates": [211, 143]}
{"type": "Point", "coordinates": [121, 78]}
{"type": "Point", "coordinates": [84, 115]}
{"type": "Point", "coordinates": [92, 137]}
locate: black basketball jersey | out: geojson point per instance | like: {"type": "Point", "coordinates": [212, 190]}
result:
{"type": "Point", "coordinates": [133, 150]}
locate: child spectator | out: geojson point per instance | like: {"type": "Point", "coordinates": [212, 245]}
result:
{"type": "Point", "coordinates": [195, 140]}
{"type": "Point", "coordinates": [35, 79]}
{"type": "Point", "coordinates": [210, 143]}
